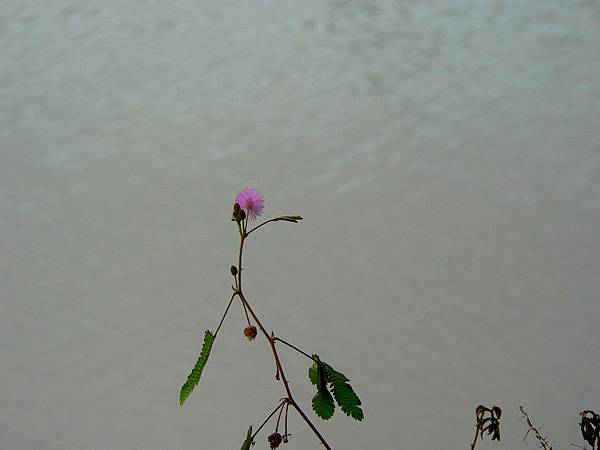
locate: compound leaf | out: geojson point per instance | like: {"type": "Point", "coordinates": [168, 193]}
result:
{"type": "Point", "coordinates": [194, 377]}
{"type": "Point", "coordinates": [321, 374]}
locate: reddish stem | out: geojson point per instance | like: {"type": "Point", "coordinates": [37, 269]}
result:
{"type": "Point", "coordinates": [271, 339]}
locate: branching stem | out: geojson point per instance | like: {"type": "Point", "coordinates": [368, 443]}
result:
{"type": "Point", "coordinates": [279, 407]}
{"type": "Point", "coordinates": [541, 439]}
{"type": "Point", "coordinates": [271, 337]}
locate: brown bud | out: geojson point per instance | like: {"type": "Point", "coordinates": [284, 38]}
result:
{"type": "Point", "coordinates": [250, 332]}
{"type": "Point", "coordinates": [235, 216]}
{"type": "Point", "coordinates": [233, 270]}
{"type": "Point", "coordinates": [242, 214]}
{"type": "Point", "coordinates": [275, 440]}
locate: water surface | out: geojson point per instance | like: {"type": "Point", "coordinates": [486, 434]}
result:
{"type": "Point", "coordinates": [445, 155]}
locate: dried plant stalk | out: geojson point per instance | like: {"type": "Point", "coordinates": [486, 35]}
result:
{"type": "Point", "coordinates": [542, 440]}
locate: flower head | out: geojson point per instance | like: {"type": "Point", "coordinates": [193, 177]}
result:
{"type": "Point", "coordinates": [275, 440]}
{"type": "Point", "coordinates": [251, 201]}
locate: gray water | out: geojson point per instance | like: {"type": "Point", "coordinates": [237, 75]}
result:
{"type": "Point", "coordinates": [445, 156]}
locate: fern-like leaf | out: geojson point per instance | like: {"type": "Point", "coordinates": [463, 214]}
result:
{"type": "Point", "coordinates": [322, 404]}
{"type": "Point", "coordinates": [343, 393]}
{"type": "Point", "coordinates": [194, 377]}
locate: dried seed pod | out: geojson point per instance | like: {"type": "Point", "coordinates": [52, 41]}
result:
{"type": "Point", "coordinates": [250, 332]}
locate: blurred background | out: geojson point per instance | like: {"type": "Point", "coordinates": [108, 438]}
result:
{"type": "Point", "coordinates": [446, 158]}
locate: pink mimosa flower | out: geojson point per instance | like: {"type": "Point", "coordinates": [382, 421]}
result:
{"type": "Point", "coordinates": [251, 201]}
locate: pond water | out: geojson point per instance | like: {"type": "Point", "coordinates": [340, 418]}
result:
{"type": "Point", "coordinates": [445, 156]}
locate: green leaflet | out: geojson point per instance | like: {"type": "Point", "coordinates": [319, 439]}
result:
{"type": "Point", "coordinates": [248, 442]}
{"type": "Point", "coordinates": [194, 377]}
{"type": "Point", "coordinates": [344, 394]}
{"type": "Point", "coordinates": [322, 404]}
{"type": "Point", "coordinates": [320, 374]}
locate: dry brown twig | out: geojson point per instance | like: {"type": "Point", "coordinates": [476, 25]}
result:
{"type": "Point", "coordinates": [543, 441]}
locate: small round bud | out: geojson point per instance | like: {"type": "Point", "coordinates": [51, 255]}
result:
{"type": "Point", "coordinates": [233, 270]}
{"type": "Point", "coordinates": [275, 440]}
{"type": "Point", "coordinates": [250, 332]}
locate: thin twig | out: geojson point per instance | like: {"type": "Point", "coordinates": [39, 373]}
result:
{"type": "Point", "coordinates": [295, 348]}
{"type": "Point", "coordinates": [285, 435]}
{"type": "Point", "coordinates": [247, 316]}
{"type": "Point", "coordinates": [475, 438]}
{"type": "Point", "coordinates": [294, 219]}
{"type": "Point", "coordinates": [258, 226]}
{"type": "Point", "coordinates": [541, 439]}
{"type": "Point", "coordinates": [226, 310]}
{"type": "Point", "coordinates": [279, 416]}
{"type": "Point", "coordinates": [279, 406]}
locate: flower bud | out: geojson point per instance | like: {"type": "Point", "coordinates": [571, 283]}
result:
{"type": "Point", "coordinates": [242, 214]}
{"type": "Point", "coordinates": [235, 216]}
{"type": "Point", "coordinates": [233, 270]}
{"type": "Point", "coordinates": [250, 332]}
{"type": "Point", "coordinates": [274, 440]}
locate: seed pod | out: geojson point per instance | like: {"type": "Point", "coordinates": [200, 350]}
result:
{"type": "Point", "coordinates": [250, 332]}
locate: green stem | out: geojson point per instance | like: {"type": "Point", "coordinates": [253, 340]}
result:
{"type": "Point", "coordinates": [258, 226]}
